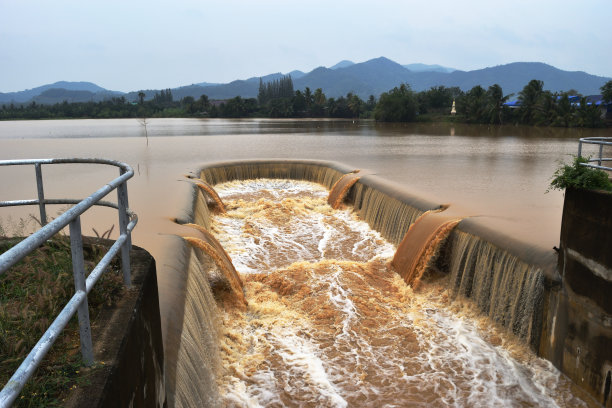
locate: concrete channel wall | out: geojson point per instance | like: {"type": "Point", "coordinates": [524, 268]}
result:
{"type": "Point", "coordinates": [128, 347]}
{"type": "Point", "coordinates": [580, 309]}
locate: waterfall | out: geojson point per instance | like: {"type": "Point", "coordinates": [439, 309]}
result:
{"type": "Point", "coordinates": [421, 244]}
{"type": "Point", "coordinates": [341, 187]}
{"type": "Point", "coordinates": [230, 280]}
{"type": "Point", "coordinates": [204, 186]}
{"type": "Point", "coordinates": [197, 352]}
{"type": "Point", "coordinates": [506, 281]}
{"type": "Point", "coordinates": [504, 287]}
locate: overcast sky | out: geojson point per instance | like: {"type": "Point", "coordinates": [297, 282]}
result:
{"type": "Point", "coordinates": [130, 45]}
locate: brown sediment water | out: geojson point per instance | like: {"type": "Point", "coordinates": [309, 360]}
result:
{"type": "Point", "coordinates": [341, 187]}
{"type": "Point", "coordinates": [422, 241]}
{"type": "Point", "coordinates": [330, 323]}
{"type": "Point", "coordinates": [204, 186]}
{"type": "Point", "coordinates": [209, 244]}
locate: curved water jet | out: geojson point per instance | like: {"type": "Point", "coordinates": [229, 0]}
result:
{"type": "Point", "coordinates": [341, 187]}
{"type": "Point", "coordinates": [204, 186]}
{"type": "Point", "coordinates": [422, 242]}
{"type": "Point", "coordinates": [213, 248]}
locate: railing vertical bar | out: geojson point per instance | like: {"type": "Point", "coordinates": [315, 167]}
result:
{"type": "Point", "coordinates": [78, 269]}
{"type": "Point", "coordinates": [122, 201]}
{"type": "Point", "coordinates": [580, 148]}
{"type": "Point", "coordinates": [600, 154]}
{"type": "Point", "coordinates": [41, 194]}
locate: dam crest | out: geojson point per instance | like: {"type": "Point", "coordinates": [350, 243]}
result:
{"type": "Point", "coordinates": [508, 282]}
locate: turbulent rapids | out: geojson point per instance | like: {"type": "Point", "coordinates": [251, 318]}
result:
{"type": "Point", "coordinates": [328, 322]}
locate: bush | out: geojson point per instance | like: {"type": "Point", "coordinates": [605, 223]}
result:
{"type": "Point", "coordinates": [579, 176]}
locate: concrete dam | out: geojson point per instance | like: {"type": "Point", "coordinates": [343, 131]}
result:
{"type": "Point", "coordinates": [310, 283]}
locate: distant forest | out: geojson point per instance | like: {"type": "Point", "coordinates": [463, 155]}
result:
{"type": "Point", "coordinates": [278, 99]}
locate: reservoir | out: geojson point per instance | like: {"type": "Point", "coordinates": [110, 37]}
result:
{"type": "Point", "coordinates": [496, 175]}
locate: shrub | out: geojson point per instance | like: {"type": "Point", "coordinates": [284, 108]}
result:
{"type": "Point", "coordinates": [578, 176]}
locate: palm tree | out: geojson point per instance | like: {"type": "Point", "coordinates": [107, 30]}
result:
{"type": "Point", "coordinates": [528, 99]}
{"type": "Point", "coordinates": [496, 100]}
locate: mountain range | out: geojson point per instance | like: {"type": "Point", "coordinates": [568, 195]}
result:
{"type": "Point", "coordinates": [364, 79]}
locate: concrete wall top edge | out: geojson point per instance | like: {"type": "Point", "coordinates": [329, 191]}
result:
{"type": "Point", "coordinates": [322, 163]}
{"type": "Point", "coordinates": [398, 192]}
{"type": "Point", "coordinates": [544, 258]}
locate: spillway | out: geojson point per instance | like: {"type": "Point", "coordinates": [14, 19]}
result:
{"type": "Point", "coordinates": [329, 321]}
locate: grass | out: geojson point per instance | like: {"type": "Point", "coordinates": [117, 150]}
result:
{"type": "Point", "coordinates": [32, 293]}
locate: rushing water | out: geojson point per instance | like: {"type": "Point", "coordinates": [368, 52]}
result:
{"type": "Point", "coordinates": [329, 323]}
{"type": "Point", "coordinates": [498, 173]}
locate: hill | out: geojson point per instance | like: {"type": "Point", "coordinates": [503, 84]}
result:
{"type": "Point", "coordinates": [28, 95]}
{"type": "Point", "coordinates": [364, 79]}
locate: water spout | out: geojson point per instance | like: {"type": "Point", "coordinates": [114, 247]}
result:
{"type": "Point", "coordinates": [204, 186]}
{"type": "Point", "coordinates": [421, 243]}
{"type": "Point", "coordinates": [231, 280]}
{"type": "Point", "coordinates": [341, 188]}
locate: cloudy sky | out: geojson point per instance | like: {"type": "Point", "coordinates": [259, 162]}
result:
{"type": "Point", "coordinates": [132, 44]}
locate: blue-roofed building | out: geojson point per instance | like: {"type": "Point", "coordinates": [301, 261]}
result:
{"type": "Point", "coordinates": [575, 100]}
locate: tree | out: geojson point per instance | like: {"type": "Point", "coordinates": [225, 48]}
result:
{"type": "Point", "coordinates": [141, 96]}
{"type": "Point", "coordinates": [495, 104]}
{"type": "Point", "coordinates": [474, 105]}
{"type": "Point", "coordinates": [606, 92]}
{"type": "Point", "coordinates": [528, 99]}
{"type": "Point", "coordinates": [397, 105]}
{"type": "Point", "coordinates": [565, 111]}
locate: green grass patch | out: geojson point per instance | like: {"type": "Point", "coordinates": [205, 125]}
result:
{"type": "Point", "coordinates": [32, 293]}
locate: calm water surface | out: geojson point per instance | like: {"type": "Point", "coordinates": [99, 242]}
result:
{"type": "Point", "coordinates": [500, 173]}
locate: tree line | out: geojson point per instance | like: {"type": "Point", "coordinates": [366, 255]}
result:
{"type": "Point", "coordinates": [534, 106]}
{"type": "Point", "coordinates": [278, 99]}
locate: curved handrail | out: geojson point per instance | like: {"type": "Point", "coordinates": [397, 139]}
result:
{"type": "Point", "coordinates": [601, 141]}
{"type": "Point", "coordinates": [71, 217]}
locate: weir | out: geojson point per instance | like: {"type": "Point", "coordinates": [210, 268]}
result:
{"type": "Point", "coordinates": [506, 280]}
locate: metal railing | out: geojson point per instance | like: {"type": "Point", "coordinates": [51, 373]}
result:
{"type": "Point", "coordinates": [601, 141]}
{"type": "Point", "coordinates": [71, 217]}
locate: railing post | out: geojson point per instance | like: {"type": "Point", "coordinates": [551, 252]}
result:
{"type": "Point", "coordinates": [600, 154]}
{"type": "Point", "coordinates": [579, 148]}
{"type": "Point", "coordinates": [41, 194]}
{"type": "Point", "coordinates": [78, 269]}
{"type": "Point", "coordinates": [122, 201]}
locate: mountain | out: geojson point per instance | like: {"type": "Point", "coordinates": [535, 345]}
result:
{"type": "Point", "coordinates": [381, 74]}
{"type": "Point", "coordinates": [512, 78]}
{"type": "Point", "coordinates": [427, 68]}
{"type": "Point", "coordinates": [343, 64]}
{"type": "Point", "coordinates": [296, 74]}
{"type": "Point", "coordinates": [29, 94]}
{"type": "Point", "coordinates": [367, 78]}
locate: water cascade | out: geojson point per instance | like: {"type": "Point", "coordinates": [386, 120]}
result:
{"type": "Point", "coordinates": [421, 243]}
{"type": "Point", "coordinates": [329, 323]}
{"type": "Point", "coordinates": [204, 186]}
{"type": "Point", "coordinates": [341, 187]}
{"type": "Point", "coordinates": [504, 287]}
{"type": "Point", "coordinates": [230, 280]}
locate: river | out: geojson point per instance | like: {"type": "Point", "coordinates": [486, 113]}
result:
{"type": "Point", "coordinates": [500, 173]}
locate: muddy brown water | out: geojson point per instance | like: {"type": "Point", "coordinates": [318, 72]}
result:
{"type": "Point", "coordinates": [498, 173]}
